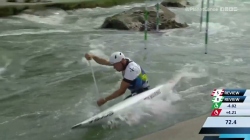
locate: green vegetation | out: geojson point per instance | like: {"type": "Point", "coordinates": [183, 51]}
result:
{"type": "Point", "coordinates": [15, 8]}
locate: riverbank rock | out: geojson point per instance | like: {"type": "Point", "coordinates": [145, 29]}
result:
{"type": "Point", "coordinates": [175, 3]}
{"type": "Point", "coordinates": [133, 19]}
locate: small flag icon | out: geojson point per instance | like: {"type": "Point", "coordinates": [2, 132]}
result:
{"type": "Point", "coordinates": [216, 105]}
{"type": "Point", "coordinates": [216, 112]}
{"type": "Point", "coordinates": [218, 92]}
{"type": "Point", "coordinates": [217, 99]}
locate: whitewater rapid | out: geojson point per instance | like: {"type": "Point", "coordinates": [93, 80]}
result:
{"type": "Point", "coordinates": [46, 84]}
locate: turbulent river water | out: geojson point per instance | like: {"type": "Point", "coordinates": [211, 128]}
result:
{"type": "Point", "coordinates": [46, 84]}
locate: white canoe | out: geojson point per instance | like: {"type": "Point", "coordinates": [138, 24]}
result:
{"type": "Point", "coordinates": [149, 94]}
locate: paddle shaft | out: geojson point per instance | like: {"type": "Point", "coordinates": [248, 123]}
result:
{"type": "Point", "coordinates": [93, 75]}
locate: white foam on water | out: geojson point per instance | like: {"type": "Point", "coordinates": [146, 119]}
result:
{"type": "Point", "coordinates": [2, 70]}
{"type": "Point", "coordinates": [101, 11]}
{"type": "Point", "coordinates": [13, 21]}
{"type": "Point", "coordinates": [50, 16]}
{"type": "Point", "coordinates": [37, 113]}
{"type": "Point", "coordinates": [97, 46]}
{"type": "Point", "coordinates": [51, 20]}
{"type": "Point", "coordinates": [66, 64]}
{"type": "Point", "coordinates": [214, 27]}
{"type": "Point", "coordinates": [5, 67]}
{"type": "Point", "coordinates": [31, 32]}
{"type": "Point", "coordinates": [99, 53]}
{"type": "Point", "coordinates": [229, 60]}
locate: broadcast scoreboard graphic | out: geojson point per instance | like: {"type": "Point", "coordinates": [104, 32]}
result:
{"type": "Point", "coordinates": [230, 116]}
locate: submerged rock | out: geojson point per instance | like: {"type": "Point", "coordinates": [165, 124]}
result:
{"type": "Point", "coordinates": [133, 19]}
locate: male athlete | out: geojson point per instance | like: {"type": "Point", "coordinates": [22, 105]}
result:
{"type": "Point", "coordinates": [134, 77]}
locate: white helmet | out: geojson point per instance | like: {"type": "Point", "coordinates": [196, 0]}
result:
{"type": "Point", "coordinates": [116, 57]}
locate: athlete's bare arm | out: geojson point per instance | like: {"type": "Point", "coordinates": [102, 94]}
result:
{"type": "Point", "coordinates": [101, 61]}
{"type": "Point", "coordinates": [97, 59]}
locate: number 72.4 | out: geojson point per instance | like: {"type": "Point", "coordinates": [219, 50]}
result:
{"type": "Point", "coordinates": [231, 121]}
